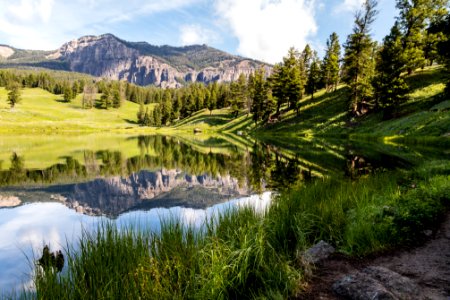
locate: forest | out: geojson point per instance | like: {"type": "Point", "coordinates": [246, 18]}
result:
{"type": "Point", "coordinates": [375, 74]}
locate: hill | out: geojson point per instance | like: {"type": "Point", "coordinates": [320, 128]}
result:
{"type": "Point", "coordinates": [425, 113]}
{"type": "Point", "coordinates": [137, 62]}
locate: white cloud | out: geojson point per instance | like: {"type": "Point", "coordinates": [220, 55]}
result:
{"type": "Point", "coordinates": [349, 6]}
{"type": "Point", "coordinates": [30, 11]}
{"type": "Point", "coordinates": [195, 34]}
{"type": "Point", "coordinates": [266, 29]}
{"type": "Point", "coordinates": [46, 24]}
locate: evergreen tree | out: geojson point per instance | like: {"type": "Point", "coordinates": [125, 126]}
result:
{"type": "Point", "coordinates": [238, 94]}
{"type": "Point", "coordinates": [313, 75]}
{"type": "Point", "coordinates": [166, 109]}
{"type": "Point", "coordinates": [178, 103]}
{"type": "Point", "coordinates": [157, 115]}
{"type": "Point", "coordinates": [359, 65]}
{"type": "Point", "coordinates": [147, 119]}
{"type": "Point", "coordinates": [75, 88]}
{"type": "Point", "coordinates": [68, 93]}
{"type": "Point", "coordinates": [390, 88]}
{"type": "Point", "coordinates": [413, 19]}
{"type": "Point", "coordinates": [262, 104]}
{"type": "Point", "coordinates": [287, 85]}
{"type": "Point", "coordinates": [116, 98]}
{"type": "Point", "coordinates": [106, 98]}
{"type": "Point", "coordinates": [140, 114]}
{"type": "Point", "coordinates": [14, 93]}
{"type": "Point", "coordinates": [443, 47]}
{"type": "Point", "coordinates": [331, 68]}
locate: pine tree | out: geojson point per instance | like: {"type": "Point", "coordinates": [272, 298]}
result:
{"type": "Point", "coordinates": [287, 85]}
{"type": "Point", "coordinates": [359, 64]}
{"type": "Point", "coordinates": [262, 104]}
{"type": "Point", "coordinates": [140, 114]}
{"type": "Point", "coordinates": [413, 19]}
{"type": "Point", "coordinates": [238, 94]}
{"type": "Point", "coordinates": [157, 115]}
{"type": "Point", "coordinates": [166, 109]}
{"type": "Point", "coordinates": [14, 93]}
{"type": "Point", "coordinates": [313, 75]}
{"type": "Point", "coordinates": [390, 88]}
{"type": "Point", "coordinates": [331, 60]}
{"type": "Point", "coordinates": [177, 105]}
{"type": "Point", "coordinates": [68, 93]}
{"type": "Point", "coordinates": [147, 119]}
{"type": "Point", "coordinates": [106, 98]}
{"type": "Point", "coordinates": [443, 47]}
{"type": "Point", "coordinates": [116, 98]}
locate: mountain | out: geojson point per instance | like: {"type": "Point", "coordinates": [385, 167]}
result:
{"type": "Point", "coordinates": [142, 191]}
{"type": "Point", "coordinates": [109, 57]}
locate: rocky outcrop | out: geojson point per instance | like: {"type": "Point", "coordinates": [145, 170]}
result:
{"type": "Point", "coordinates": [377, 283]}
{"type": "Point", "coordinates": [140, 63]}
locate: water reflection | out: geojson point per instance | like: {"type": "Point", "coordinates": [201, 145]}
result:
{"type": "Point", "coordinates": [26, 229]}
{"type": "Point", "coordinates": [48, 199]}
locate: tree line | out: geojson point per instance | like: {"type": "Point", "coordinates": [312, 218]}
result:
{"type": "Point", "coordinates": [375, 73]}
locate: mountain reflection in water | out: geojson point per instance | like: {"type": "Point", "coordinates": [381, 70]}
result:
{"type": "Point", "coordinates": [49, 198]}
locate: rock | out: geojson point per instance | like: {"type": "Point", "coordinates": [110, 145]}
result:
{"type": "Point", "coordinates": [360, 286]}
{"type": "Point", "coordinates": [402, 287]}
{"type": "Point", "coordinates": [376, 282]}
{"type": "Point", "coordinates": [319, 252]}
{"type": "Point", "coordinates": [143, 64]}
{"type": "Point", "coordinates": [9, 201]}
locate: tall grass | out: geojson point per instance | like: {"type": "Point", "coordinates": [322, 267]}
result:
{"type": "Point", "coordinates": [245, 254]}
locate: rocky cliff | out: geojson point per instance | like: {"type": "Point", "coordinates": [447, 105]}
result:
{"type": "Point", "coordinates": [141, 63]}
{"type": "Point", "coordinates": [145, 190]}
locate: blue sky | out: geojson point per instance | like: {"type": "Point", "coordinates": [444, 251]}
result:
{"type": "Point", "coordinates": [260, 29]}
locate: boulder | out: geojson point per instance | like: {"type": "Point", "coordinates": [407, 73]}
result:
{"type": "Point", "coordinates": [376, 282]}
{"type": "Point", "coordinates": [360, 286]}
{"type": "Point", "coordinates": [319, 252]}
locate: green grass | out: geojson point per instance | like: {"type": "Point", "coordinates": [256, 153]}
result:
{"type": "Point", "coordinates": [244, 254]}
{"type": "Point", "coordinates": [425, 113]}
{"type": "Point", "coordinates": [42, 112]}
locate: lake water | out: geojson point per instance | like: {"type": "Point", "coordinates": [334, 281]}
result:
{"type": "Point", "coordinates": [54, 187]}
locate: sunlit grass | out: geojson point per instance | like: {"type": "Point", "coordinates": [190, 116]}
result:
{"type": "Point", "coordinates": [248, 254]}
{"type": "Point", "coordinates": [40, 111]}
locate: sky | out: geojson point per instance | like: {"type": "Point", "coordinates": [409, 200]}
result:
{"type": "Point", "coordinates": [258, 29]}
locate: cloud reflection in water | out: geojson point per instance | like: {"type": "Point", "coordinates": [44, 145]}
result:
{"type": "Point", "coordinates": [25, 229]}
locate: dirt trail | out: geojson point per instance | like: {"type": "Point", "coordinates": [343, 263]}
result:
{"type": "Point", "coordinates": [427, 265]}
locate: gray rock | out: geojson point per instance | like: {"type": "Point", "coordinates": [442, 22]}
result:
{"type": "Point", "coordinates": [319, 252]}
{"type": "Point", "coordinates": [401, 286]}
{"type": "Point", "coordinates": [360, 286]}
{"type": "Point", "coordinates": [377, 282]}
{"type": "Point", "coordinates": [143, 64]}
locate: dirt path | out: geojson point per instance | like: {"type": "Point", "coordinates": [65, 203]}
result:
{"type": "Point", "coordinates": [427, 265]}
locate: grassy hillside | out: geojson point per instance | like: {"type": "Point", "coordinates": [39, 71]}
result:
{"type": "Point", "coordinates": [41, 111]}
{"type": "Point", "coordinates": [425, 113]}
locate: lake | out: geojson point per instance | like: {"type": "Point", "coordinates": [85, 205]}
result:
{"type": "Point", "coordinates": [54, 187]}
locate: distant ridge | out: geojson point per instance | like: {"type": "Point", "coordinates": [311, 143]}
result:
{"type": "Point", "coordinates": [141, 63]}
